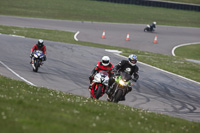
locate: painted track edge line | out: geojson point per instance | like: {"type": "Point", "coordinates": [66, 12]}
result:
{"type": "Point", "coordinates": [181, 46]}
{"type": "Point", "coordinates": [17, 74]}
{"type": "Point", "coordinates": [162, 70]}
{"type": "Point", "coordinates": [75, 36]}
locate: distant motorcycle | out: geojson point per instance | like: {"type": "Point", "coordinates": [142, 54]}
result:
{"type": "Point", "coordinates": [38, 57]}
{"type": "Point", "coordinates": [149, 28]}
{"type": "Point", "coordinates": [99, 84]}
{"type": "Point", "coordinates": [120, 86]}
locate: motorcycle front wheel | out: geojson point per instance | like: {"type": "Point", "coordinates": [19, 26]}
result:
{"type": "Point", "coordinates": [36, 65]}
{"type": "Point", "coordinates": [98, 92]}
{"type": "Point", "coordinates": [117, 96]}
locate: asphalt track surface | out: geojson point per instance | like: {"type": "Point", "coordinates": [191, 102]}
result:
{"type": "Point", "coordinates": [68, 66]}
{"type": "Point", "coordinates": [168, 36]}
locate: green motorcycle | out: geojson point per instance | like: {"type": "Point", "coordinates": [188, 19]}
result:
{"type": "Point", "coordinates": [122, 81]}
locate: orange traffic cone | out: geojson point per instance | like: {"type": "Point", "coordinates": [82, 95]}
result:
{"type": "Point", "coordinates": [127, 37]}
{"type": "Point", "coordinates": [155, 39]}
{"type": "Point", "coordinates": [103, 34]}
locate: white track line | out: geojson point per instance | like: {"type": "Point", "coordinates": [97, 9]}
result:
{"type": "Point", "coordinates": [181, 46]}
{"type": "Point", "coordinates": [117, 53]}
{"type": "Point", "coordinates": [75, 36]}
{"type": "Point", "coordinates": [17, 74]}
{"type": "Point", "coordinates": [17, 36]}
{"type": "Point", "coordinates": [13, 35]}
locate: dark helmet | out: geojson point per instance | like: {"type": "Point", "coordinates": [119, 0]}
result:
{"type": "Point", "coordinates": [40, 42]}
{"type": "Point", "coordinates": [132, 59]}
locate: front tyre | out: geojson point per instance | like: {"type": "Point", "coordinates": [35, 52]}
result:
{"type": "Point", "coordinates": [98, 92]}
{"type": "Point", "coordinates": [36, 64]}
{"type": "Point", "coordinates": [117, 96]}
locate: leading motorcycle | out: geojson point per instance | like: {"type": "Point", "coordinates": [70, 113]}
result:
{"type": "Point", "coordinates": [120, 86]}
{"type": "Point", "coordinates": [37, 58]}
{"type": "Point", "coordinates": [99, 84]}
{"type": "Point", "coordinates": [148, 28]}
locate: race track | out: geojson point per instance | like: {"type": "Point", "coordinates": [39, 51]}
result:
{"type": "Point", "coordinates": [168, 36]}
{"type": "Point", "coordinates": [68, 66]}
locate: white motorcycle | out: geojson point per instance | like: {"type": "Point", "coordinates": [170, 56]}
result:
{"type": "Point", "coordinates": [37, 58]}
{"type": "Point", "coordinates": [99, 84]}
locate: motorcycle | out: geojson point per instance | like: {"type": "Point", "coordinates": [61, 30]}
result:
{"type": "Point", "coordinates": [148, 28]}
{"type": "Point", "coordinates": [38, 57]}
{"type": "Point", "coordinates": [99, 84]}
{"type": "Point", "coordinates": [122, 81]}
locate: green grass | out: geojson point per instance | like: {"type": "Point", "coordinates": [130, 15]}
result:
{"type": "Point", "coordinates": [29, 109]}
{"type": "Point", "coordinates": [172, 64]}
{"type": "Point", "coordinates": [189, 52]}
{"type": "Point", "coordinates": [91, 10]}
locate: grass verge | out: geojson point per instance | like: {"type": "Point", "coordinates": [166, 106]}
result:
{"type": "Point", "coordinates": [169, 63]}
{"type": "Point", "coordinates": [189, 52]}
{"type": "Point", "coordinates": [25, 108]}
{"type": "Point", "coordinates": [91, 10]}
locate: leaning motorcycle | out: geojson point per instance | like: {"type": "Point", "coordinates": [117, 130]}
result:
{"type": "Point", "coordinates": [99, 84]}
{"type": "Point", "coordinates": [38, 57]}
{"type": "Point", "coordinates": [148, 28]}
{"type": "Point", "coordinates": [122, 82]}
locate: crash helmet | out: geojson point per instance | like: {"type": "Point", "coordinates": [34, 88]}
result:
{"type": "Point", "coordinates": [154, 22]}
{"type": "Point", "coordinates": [132, 59]}
{"type": "Point", "coordinates": [40, 42]}
{"type": "Point", "coordinates": [105, 60]}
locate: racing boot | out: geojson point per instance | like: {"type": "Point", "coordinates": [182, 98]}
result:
{"type": "Point", "coordinates": [127, 91]}
{"type": "Point", "coordinates": [123, 98]}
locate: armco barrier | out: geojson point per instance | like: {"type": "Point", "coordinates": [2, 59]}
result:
{"type": "Point", "coordinates": [157, 3]}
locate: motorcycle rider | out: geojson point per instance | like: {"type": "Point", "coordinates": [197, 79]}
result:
{"type": "Point", "coordinates": [39, 46]}
{"type": "Point", "coordinates": [152, 26]}
{"type": "Point", "coordinates": [103, 65]}
{"type": "Point", "coordinates": [129, 66]}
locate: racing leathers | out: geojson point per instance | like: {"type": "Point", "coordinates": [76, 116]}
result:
{"type": "Point", "coordinates": [152, 26]}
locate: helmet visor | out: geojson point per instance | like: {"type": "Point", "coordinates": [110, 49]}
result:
{"type": "Point", "coordinates": [105, 61]}
{"type": "Point", "coordinates": [133, 61]}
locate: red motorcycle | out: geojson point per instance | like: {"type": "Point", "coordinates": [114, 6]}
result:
{"type": "Point", "coordinates": [99, 84]}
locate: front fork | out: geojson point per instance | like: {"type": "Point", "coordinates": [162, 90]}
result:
{"type": "Point", "coordinates": [124, 89]}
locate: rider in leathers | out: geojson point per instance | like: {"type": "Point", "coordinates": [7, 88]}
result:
{"type": "Point", "coordinates": [103, 65]}
{"type": "Point", "coordinates": [129, 66]}
{"type": "Point", "coordinates": [152, 26]}
{"type": "Point", "coordinates": [39, 46]}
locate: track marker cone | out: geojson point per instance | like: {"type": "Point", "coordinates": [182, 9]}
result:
{"type": "Point", "coordinates": [103, 34]}
{"type": "Point", "coordinates": [127, 37]}
{"type": "Point", "coordinates": [155, 39]}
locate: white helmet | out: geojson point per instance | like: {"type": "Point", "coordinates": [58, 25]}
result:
{"type": "Point", "coordinates": [154, 23]}
{"type": "Point", "coordinates": [105, 60]}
